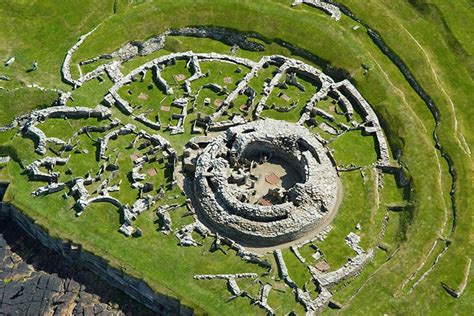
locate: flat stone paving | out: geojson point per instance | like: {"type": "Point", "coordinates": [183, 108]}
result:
{"type": "Point", "coordinates": [271, 175]}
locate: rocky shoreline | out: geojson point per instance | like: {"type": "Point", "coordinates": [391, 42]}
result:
{"type": "Point", "coordinates": [66, 255]}
{"type": "Point", "coordinates": [35, 280]}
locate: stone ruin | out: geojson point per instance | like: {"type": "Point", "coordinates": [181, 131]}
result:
{"type": "Point", "coordinates": [219, 182]}
{"type": "Point", "coordinates": [344, 92]}
{"type": "Point", "coordinates": [306, 204]}
{"type": "Point", "coordinates": [43, 169]}
{"type": "Point", "coordinates": [29, 122]}
{"type": "Point", "coordinates": [330, 9]}
{"type": "Point", "coordinates": [325, 280]}
{"type": "Point", "coordinates": [231, 280]}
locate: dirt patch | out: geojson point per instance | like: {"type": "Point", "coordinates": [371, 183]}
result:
{"type": "Point", "coordinates": [264, 202]}
{"type": "Point", "coordinates": [151, 172]}
{"type": "Point", "coordinates": [285, 97]}
{"type": "Point", "coordinates": [272, 178]}
{"type": "Point", "coordinates": [243, 108]}
{"type": "Point", "coordinates": [179, 77]}
{"type": "Point", "coordinates": [143, 96]}
{"type": "Point", "coordinates": [322, 266]}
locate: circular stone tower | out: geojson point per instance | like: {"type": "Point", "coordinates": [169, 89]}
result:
{"type": "Point", "coordinates": [265, 183]}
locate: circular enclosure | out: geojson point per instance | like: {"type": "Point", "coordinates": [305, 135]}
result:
{"type": "Point", "coordinates": [265, 183]}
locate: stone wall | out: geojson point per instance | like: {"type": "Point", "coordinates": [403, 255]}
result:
{"type": "Point", "coordinates": [307, 204]}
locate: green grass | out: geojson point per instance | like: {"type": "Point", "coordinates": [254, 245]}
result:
{"type": "Point", "coordinates": [407, 123]}
{"type": "Point", "coordinates": [454, 75]}
{"type": "Point", "coordinates": [354, 147]}
{"type": "Point", "coordinates": [22, 101]}
{"type": "Point", "coordinates": [295, 95]}
{"type": "Point", "coordinates": [358, 206]}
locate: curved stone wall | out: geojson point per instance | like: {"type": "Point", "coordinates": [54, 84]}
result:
{"type": "Point", "coordinates": [307, 203]}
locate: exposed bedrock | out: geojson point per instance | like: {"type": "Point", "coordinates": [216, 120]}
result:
{"type": "Point", "coordinates": [37, 281]}
{"type": "Point", "coordinates": [133, 287]}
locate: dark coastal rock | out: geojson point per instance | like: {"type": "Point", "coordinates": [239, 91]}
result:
{"type": "Point", "coordinates": [37, 281]}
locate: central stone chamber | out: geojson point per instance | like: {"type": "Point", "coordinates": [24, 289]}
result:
{"type": "Point", "coordinates": [265, 172]}
{"type": "Point", "coordinates": [265, 183]}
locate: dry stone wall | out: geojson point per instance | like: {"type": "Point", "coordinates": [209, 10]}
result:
{"type": "Point", "coordinates": [218, 168]}
{"type": "Point", "coordinates": [308, 204]}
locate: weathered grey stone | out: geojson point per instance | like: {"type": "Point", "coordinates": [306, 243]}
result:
{"type": "Point", "coordinates": [5, 159]}
{"type": "Point", "coordinates": [66, 67]}
{"type": "Point", "coordinates": [331, 9]}
{"type": "Point", "coordinates": [143, 119]}
{"type": "Point", "coordinates": [283, 270]}
{"type": "Point", "coordinates": [126, 229]}
{"type": "Point", "coordinates": [308, 203]}
{"type": "Point", "coordinates": [263, 301]}
{"type": "Point", "coordinates": [51, 188]}
{"type": "Point", "coordinates": [10, 61]}
{"type": "Point", "coordinates": [34, 172]}
{"type": "Point", "coordinates": [351, 268]}
{"type": "Point", "coordinates": [371, 122]}
{"type": "Point", "coordinates": [231, 280]}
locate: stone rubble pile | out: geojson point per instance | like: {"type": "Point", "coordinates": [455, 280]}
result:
{"type": "Point", "coordinates": [353, 240]}
{"type": "Point", "coordinates": [163, 213]}
{"type": "Point", "coordinates": [185, 236]}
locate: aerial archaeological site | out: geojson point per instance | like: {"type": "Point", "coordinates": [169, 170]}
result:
{"type": "Point", "coordinates": [224, 157]}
